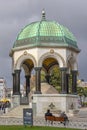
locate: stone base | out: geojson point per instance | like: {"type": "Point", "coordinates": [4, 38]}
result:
{"type": "Point", "coordinates": [73, 112]}
{"type": "Point", "coordinates": [15, 101]}
{"type": "Point", "coordinates": [55, 102]}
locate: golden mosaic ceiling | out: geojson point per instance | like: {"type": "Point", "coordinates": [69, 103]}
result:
{"type": "Point", "coordinates": [49, 62]}
{"type": "Point", "coordinates": [29, 63]}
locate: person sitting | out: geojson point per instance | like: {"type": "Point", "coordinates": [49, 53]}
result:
{"type": "Point", "coordinates": [48, 113]}
{"type": "Point", "coordinates": [65, 116]}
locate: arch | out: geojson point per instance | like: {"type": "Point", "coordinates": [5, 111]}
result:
{"type": "Point", "coordinates": [54, 55]}
{"type": "Point", "coordinates": [22, 58]}
{"type": "Point", "coordinates": [52, 68]}
{"type": "Point", "coordinates": [26, 69]}
{"type": "Point", "coordinates": [75, 66]}
{"type": "Point", "coordinates": [72, 62]}
{"type": "Point", "coordinates": [44, 70]}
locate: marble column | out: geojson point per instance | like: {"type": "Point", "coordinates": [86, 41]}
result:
{"type": "Point", "coordinates": [63, 80]}
{"type": "Point", "coordinates": [14, 83]}
{"type": "Point", "coordinates": [74, 81]}
{"type": "Point", "coordinates": [47, 77]}
{"type": "Point", "coordinates": [27, 84]}
{"type": "Point", "coordinates": [38, 80]}
{"type": "Point", "coordinates": [67, 83]}
{"type": "Point", "coordinates": [17, 82]}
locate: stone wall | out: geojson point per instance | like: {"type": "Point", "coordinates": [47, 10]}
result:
{"type": "Point", "coordinates": [54, 102]}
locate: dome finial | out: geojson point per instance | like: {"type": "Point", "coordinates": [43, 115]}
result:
{"type": "Point", "coordinates": [43, 15]}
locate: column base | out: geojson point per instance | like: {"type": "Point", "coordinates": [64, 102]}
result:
{"type": "Point", "coordinates": [16, 93]}
{"type": "Point", "coordinates": [37, 92]}
{"type": "Point", "coordinates": [15, 100]}
{"type": "Point", "coordinates": [74, 93]}
{"type": "Point", "coordinates": [64, 92]}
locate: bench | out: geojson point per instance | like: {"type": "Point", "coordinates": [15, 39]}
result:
{"type": "Point", "coordinates": [54, 118]}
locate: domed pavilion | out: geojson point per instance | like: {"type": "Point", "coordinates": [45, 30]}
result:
{"type": "Point", "coordinates": [41, 45]}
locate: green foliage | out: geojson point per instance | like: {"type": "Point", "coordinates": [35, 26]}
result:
{"type": "Point", "coordinates": [85, 104]}
{"type": "Point", "coordinates": [81, 91]}
{"type": "Point", "coordinates": [85, 91]}
{"type": "Point", "coordinates": [58, 88]}
{"type": "Point", "coordinates": [43, 76]}
{"type": "Point", "coordinates": [55, 77]}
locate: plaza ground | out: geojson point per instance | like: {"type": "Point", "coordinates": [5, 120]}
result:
{"type": "Point", "coordinates": [15, 118]}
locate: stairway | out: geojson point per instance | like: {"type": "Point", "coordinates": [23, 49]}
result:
{"type": "Point", "coordinates": [18, 111]}
{"type": "Point", "coordinates": [82, 113]}
{"type": "Point", "coordinates": [15, 112]}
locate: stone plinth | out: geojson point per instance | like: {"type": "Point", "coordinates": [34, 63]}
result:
{"type": "Point", "coordinates": [55, 102]}
{"type": "Point", "coordinates": [15, 101]}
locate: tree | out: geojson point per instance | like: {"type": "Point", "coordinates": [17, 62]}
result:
{"type": "Point", "coordinates": [43, 76]}
{"type": "Point", "coordinates": [85, 91]}
{"type": "Point", "coordinates": [80, 91]}
{"type": "Point", "coordinates": [55, 78]}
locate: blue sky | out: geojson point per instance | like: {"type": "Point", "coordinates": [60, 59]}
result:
{"type": "Point", "coordinates": [15, 14]}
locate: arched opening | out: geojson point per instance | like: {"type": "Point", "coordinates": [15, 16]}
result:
{"type": "Point", "coordinates": [47, 65]}
{"type": "Point", "coordinates": [21, 78]}
{"type": "Point", "coordinates": [72, 74]}
{"type": "Point", "coordinates": [27, 65]}
{"type": "Point", "coordinates": [50, 66]}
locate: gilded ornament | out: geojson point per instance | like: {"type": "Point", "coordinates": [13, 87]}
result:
{"type": "Point", "coordinates": [25, 52]}
{"type": "Point", "coordinates": [51, 51]}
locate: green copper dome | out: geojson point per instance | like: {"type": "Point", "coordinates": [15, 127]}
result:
{"type": "Point", "coordinates": [45, 33]}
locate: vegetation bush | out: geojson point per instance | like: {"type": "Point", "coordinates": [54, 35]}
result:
{"type": "Point", "coordinates": [85, 104]}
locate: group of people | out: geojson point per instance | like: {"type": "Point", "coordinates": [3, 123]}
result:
{"type": "Point", "coordinates": [63, 114]}
{"type": "Point", "coordinates": [4, 105]}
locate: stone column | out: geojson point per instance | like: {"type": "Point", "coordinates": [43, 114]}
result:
{"type": "Point", "coordinates": [74, 81]}
{"type": "Point", "coordinates": [63, 80]}
{"type": "Point", "coordinates": [27, 84]}
{"type": "Point", "coordinates": [38, 80]}
{"type": "Point", "coordinates": [17, 82]}
{"type": "Point", "coordinates": [47, 78]}
{"type": "Point", "coordinates": [67, 82]}
{"type": "Point", "coordinates": [14, 83]}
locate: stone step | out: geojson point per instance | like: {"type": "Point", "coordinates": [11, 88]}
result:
{"type": "Point", "coordinates": [82, 113]}
{"type": "Point", "coordinates": [18, 111]}
{"type": "Point", "coordinates": [15, 112]}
